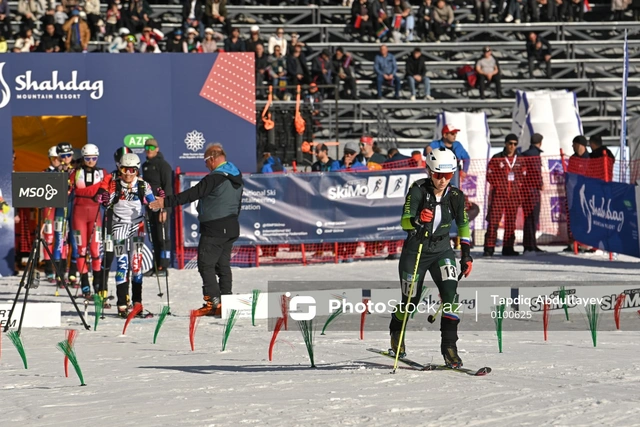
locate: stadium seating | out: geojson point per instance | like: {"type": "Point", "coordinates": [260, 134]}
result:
{"type": "Point", "coordinates": [586, 58]}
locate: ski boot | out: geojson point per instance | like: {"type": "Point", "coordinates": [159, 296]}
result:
{"type": "Point", "coordinates": [211, 307]}
{"type": "Point", "coordinates": [123, 311]}
{"type": "Point", "coordinates": [451, 358]}
{"type": "Point", "coordinates": [105, 299]}
{"type": "Point", "coordinates": [86, 287]}
{"type": "Point", "coordinates": [397, 348]}
{"type": "Point", "coordinates": [143, 314]}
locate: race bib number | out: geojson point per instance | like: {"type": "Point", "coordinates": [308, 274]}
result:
{"type": "Point", "coordinates": [511, 176]}
{"type": "Point", "coordinates": [78, 237]}
{"type": "Point", "coordinates": [57, 226]}
{"type": "Point", "coordinates": [119, 250]}
{"type": "Point", "coordinates": [138, 243]}
{"type": "Point", "coordinates": [448, 270]}
{"type": "Point", "coordinates": [98, 234]}
{"type": "Point", "coordinates": [108, 244]}
{"type": "Point", "coordinates": [48, 228]}
{"type": "Point", "coordinates": [406, 286]}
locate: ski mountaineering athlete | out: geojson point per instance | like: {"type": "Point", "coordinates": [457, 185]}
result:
{"type": "Point", "coordinates": [127, 196]}
{"type": "Point", "coordinates": [61, 218]}
{"type": "Point", "coordinates": [429, 209]}
{"type": "Point", "coordinates": [48, 217]}
{"type": "Point", "coordinates": [86, 221]}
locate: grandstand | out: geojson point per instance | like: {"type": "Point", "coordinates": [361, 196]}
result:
{"type": "Point", "coordinates": [586, 58]}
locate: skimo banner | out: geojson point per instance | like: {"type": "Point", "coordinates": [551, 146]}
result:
{"type": "Point", "coordinates": [603, 214]}
{"type": "Point", "coordinates": [315, 208]}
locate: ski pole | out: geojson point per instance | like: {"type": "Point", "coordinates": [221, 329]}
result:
{"type": "Point", "coordinates": [155, 262]}
{"type": "Point", "coordinates": [166, 277]}
{"type": "Point", "coordinates": [432, 317]}
{"type": "Point", "coordinates": [406, 314]}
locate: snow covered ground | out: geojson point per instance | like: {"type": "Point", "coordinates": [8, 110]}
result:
{"type": "Point", "coordinates": [130, 381]}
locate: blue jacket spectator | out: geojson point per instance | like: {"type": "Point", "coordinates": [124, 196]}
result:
{"type": "Point", "coordinates": [448, 140]}
{"type": "Point", "coordinates": [349, 161]}
{"type": "Point", "coordinates": [324, 163]}
{"type": "Point", "coordinates": [397, 160]}
{"type": "Point", "coordinates": [386, 69]}
{"type": "Point", "coordinates": [270, 163]}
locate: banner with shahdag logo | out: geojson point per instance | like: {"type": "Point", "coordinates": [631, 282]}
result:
{"type": "Point", "coordinates": [125, 99]}
{"type": "Point", "coordinates": [315, 208]}
{"type": "Point", "coordinates": [603, 214]}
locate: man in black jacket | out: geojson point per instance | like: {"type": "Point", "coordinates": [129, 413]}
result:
{"type": "Point", "coordinates": [342, 63]}
{"type": "Point", "coordinates": [158, 173]}
{"type": "Point", "coordinates": [538, 50]}
{"type": "Point", "coordinates": [219, 196]}
{"type": "Point", "coordinates": [603, 170]}
{"type": "Point", "coordinates": [297, 69]}
{"type": "Point", "coordinates": [192, 14]}
{"type": "Point", "coordinates": [531, 194]}
{"type": "Point", "coordinates": [417, 73]}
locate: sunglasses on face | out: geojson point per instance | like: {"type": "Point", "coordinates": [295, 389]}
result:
{"type": "Point", "coordinates": [349, 154]}
{"type": "Point", "coordinates": [150, 147]}
{"type": "Point", "coordinates": [91, 159]}
{"type": "Point", "coordinates": [128, 170]}
{"type": "Point", "coordinates": [512, 143]}
{"type": "Point", "coordinates": [442, 175]}
{"type": "Point", "coordinates": [65, 156]}
{"type": "Point", "coordinates": [207, 158]}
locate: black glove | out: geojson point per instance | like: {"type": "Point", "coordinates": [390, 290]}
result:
{"type": "Point", "coordinates": [466, 262]}
{"type": "Point", "coordinates": [419, 228]}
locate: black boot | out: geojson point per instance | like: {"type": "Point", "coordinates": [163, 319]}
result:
{"type": "Point", "coordinates": [48, 270]}
{"type": "Point", "coordinates": [122, 292]}
{"type": "Point", "coordinates": [73, 273]}
{"type": "Point", "coordinates": [61, 270]}
{"type": "Point", "coordinates": [449, 338]}
{"type": "Point", "coordinates": [136, 292]}
{"type": "Point", "coordinates": [509, 251]}
{"type": "Point", "coordinates": [395, 327]}
{"type": "Point", "coordinates": [451, 358]}
{"type": "Point", "coordinates": [86, 286]}
{"type": "Point", "coordinates": [97, 281]}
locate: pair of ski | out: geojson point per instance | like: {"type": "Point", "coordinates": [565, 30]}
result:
{"type": "Point", "coordinates": [432, 366]}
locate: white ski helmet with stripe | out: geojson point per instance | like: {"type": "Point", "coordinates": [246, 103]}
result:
{"type": "Point", "coordinates": [130, 160]}
{"type": "Point", "coordinates": [53, 151]}
{"type": "Point", "coordinates": [90, 150]}
{"type": "Point", "coordinates": [442, 160]}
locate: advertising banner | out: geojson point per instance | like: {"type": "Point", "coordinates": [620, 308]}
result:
{"type": "Point", "coordinates": [603, 214]}
{"type": "Point", "coordinates": [315, 208]}
{"type": "Point", "coordinates": [184, 101]}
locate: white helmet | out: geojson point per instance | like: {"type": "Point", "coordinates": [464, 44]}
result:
{"type": "Point", "coordinates": [53, 151]}
{"type": "Point", "coordinates": [130, 160]}
{"type": "Point", "coordinates": [442, 160]}
{"type": "Point", "coordinates": [90, 150]}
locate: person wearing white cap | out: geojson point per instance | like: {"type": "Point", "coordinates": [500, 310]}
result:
{"type": "Point", "coordinates": [209, 44]}
{"type": "Point", "coordinates": [254, 39]}
{"type": "Point", "coordinates": [191, 43]}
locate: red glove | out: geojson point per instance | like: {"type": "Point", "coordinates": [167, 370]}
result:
{"type": "Point", "coordinates": [426, 215]}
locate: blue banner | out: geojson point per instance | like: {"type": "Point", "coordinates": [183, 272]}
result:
{"type": "Point", "coordinates": [184, 101]}
{"type": "Point", "coordinates": [315, 208]}
{"type": "Point", "coordinates": [603, 214]}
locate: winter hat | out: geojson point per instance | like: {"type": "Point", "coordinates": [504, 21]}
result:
{"type": "Point", "coordinates": [352, 147]}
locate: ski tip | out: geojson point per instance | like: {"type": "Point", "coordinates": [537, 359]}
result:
{"type": "Point", "coordinates": [483, 371]}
